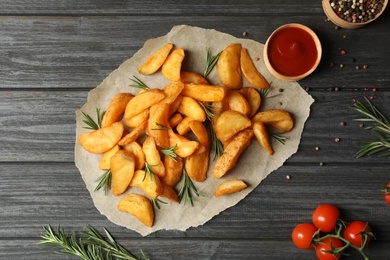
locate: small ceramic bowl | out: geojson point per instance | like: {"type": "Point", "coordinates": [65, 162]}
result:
{"type": "Point", "coordinates": [292, 52]}
{"type": "Point", "coordinates": [334, 18]}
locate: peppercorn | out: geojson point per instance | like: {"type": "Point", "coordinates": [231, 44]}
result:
{"type": "Point", "coordinates": [365, 66]}
{"type": "Point", "coordinates": [337, 139]}
{"type": "Point", "coordinates": [356, 11]}
{"type": "Point", "coordinates": [341, 65]}
{"type": "Point", "coordinates": [357, 67]}
{"type": "Point", "coordinates": [342, 123]}
{"type": "Point", "coordinates": [343, 52]}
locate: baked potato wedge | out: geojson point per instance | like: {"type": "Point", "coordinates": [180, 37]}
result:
{"type": "Point", "coordinates": [172, 66]}
{"type": "Point", "coordinates": [173, 170]}
{"type": "Point", "coordinates": [156, 60]}
{"type": "Point", "coordinates": [149, 184]}
{"type": "Point", "coordinates": [139, 206]}
{"type": "Point", "coordinates": [122, 165]}
{"type": "Point", "coordinates": [232, 152]}
{"type": "Point", "coordinates": [228, 66]}
{"type": "Point", "coordinates": [136, 149]}
{"type": "Point", "coordinates": [116, 108]}
{"type": "Point", "coordinates": [229, 123]}
{"type": "Point", "coordinates": [103, 139]}
{"type": "Point", "coordinates": [191, 108]}
{"type": "Point", "coordinates": [254, 99]}
{"type": "Point", "coordinates": [262, 136]}
{"type": "Point", "coordinates": [229, 187]}
{"type": "Point", "coordinates": [250, 72]}
{"type": "Point", "coordinates": [279, 119]}
{"type": "Point", "coordinates": [204, 92]}
{"type": "Point", "coordinates": [104, 163]}
{"type": "Point", "coordinates": [192, 77]}
{"type": "Point", "coordinates": [152, 156]}
{"type": "Point", "coordinates": [142, 101]}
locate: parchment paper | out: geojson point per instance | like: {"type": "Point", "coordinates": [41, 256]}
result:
{"type": "Point", "coordinates": [253, 166]}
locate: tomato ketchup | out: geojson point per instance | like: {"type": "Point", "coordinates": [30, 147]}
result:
{"type": "Point", "coordinates": [292, 51]}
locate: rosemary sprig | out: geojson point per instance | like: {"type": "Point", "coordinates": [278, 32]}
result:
{"type": "Point", "coordinates": [104, 181]}
{"type": "Point", "coordinates": [148, 170]}
{"type": "Point", "coordinates": [210, 62]}
{"type": "Point", "coordinates": [170, 152]}
{"type": "Point", "coordinates": [207, 109]}
{"type": "Point", "coordinates": [279, 138]}
{"type": "Point", "coordinates": [187, 189]}
{"type": "Point", "coordinates": [216, 144]}
{"type": "Point", "coordinates": [156, 203]}
{"type": "Point", "coordinates": [380, 127]}
{"type": "Point", "coordinates": [160, 127]}
{"type": "Point", "coordinates": [264, 93]}
{"type": "Point", "coordinates": [91, 123]}
{"type": "Point", "coordinates": [92, 246]}
{"type": "Point", "coordinates": [137, 83]}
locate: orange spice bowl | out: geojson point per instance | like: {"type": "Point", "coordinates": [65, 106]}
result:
{"type": "Point", "coordinates": [334, 18]}
{"type": "Point", "coordinates": [292, 52]}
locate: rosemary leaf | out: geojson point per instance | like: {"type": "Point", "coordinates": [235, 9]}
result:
{"type": "Point", "coordinates": [264, 93]}
{"type": "Point", "coordinates": [156, 203]}
{"type": "Point", "coordinates": [104, 181]}
{"type": "Point", "coordinates": [187, 189]}
{"type": "Point", "coordinates": [91, 123]}
{"type": "Point", "coordinates": [210, 62]}
{"type": "Point", "coordinates": [380, 128]}
{"type": "Point", "coordinates": [160, 127]}
{"type": "Point", "coordinates": [170, 152]}
{"type": "Point", "coordinates": [137, 83]}
{"type": "Point", "coordinates": [279, 138]}
{"type": "Point", "coordinates": [148, 170]}
{"type": "Point", "coordinates": [207, 109]}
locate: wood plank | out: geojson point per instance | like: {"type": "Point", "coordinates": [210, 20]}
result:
{"type": "Point", "coordinates": [78, 52]}
{"type": "Point", "coordinates": [40, 126]}
{"type": "Point", "coordinates": [150, 7]}
{"type": "Point", "coordinates": [167, 249]}
{"type": "Point", "coordinates": [56, 191]}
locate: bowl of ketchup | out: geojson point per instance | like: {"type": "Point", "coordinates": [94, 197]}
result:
{"type": "Point", "coordinates": [292, 52]}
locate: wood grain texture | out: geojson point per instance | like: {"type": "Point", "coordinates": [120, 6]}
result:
{"type": "Point", "coordinates": [53, 52]}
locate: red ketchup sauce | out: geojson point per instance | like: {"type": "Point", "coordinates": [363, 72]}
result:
{"type": "Point", "coordinates": [292, 51]}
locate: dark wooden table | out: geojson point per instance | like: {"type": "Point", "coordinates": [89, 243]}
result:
{"type": "Point", "coordinates": [53, 52]}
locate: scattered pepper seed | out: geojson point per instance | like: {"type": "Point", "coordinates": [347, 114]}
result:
{"type": "Point", "coordinates": [288, 177]}
{"type": "Point", "coordinates": [321, 164]}
{"type": "Point", "coordinates": [337, 139]}
{"type": "Point", "coordinates": [317, 148]}
{"type": "Point", "coordinates": [353, 100]}
{"type": "Point", "coordinates": [281, 90]}
{"type": "Point", "coordinates": [374, 90]}
{"type": "Point", "coordinates": [344, 36]}
{"type": "Point", "coordinates": [336, 89]}
{"type": "Point", "coordinates": [307, 89]}
{"type": "Point", "coordinates": [257, 59]}
{"type": "Point", "coordinates": [341, 65]}
{"type": "Point", "coordinates": [361, 125]}
{"type": "Point", "coordinates": [244, 33]}
{"type": "Point", "coordinates": [342, 123]}
{"type": "Point", "coordinates": [336, 27]}
{"type": "Point", "coordinates": [357, 67]}
{"type": "Point", "coordinates": [370, 97]}
{"type": "Point", "coordinates": [343, 52]}
{"type": "Point", "coordinates": [365, 66]}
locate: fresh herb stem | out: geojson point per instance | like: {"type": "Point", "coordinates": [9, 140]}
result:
{"type": "Point", "coordinates": [380, 127]}
{"type": "Point", "coordinates": [187, 189]}
{"type": "Point", "coordinates": [92, 246]}
{"type": "Point", "coordinates": [148, 170]}
{"type": "Point", "coordinates": [104, 181]}
{"type": "Point", "coordinates": [170, 152]}
{"type": "Point", "coordinates": [208, 110]}
{"type": "Point", "coordinates": [279, 138]}
{"type": "Point", "coordinates": [156, 203]}
{"type": "Point", "coordinates": [91, 123]}
{"type": "Point", "coordinates": [210, 62]}
{"type": "Point", "coordinates": [137, 83]}
{"type": "Point", "coordinates": [264, 93]}
{"type": "Point", "coordinates": [160, 127]}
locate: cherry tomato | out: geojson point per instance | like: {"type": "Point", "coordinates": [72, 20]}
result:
{"type": "Point", "coordinates": [325, 217]}
{"type": "Point", "coordinates": [356, 231]}
{"type": "Point", "coordinates": [326, 244]}
{"type": "Point", "coordinates": [387, 193]}
{"type": "Point", "coordinates": [302, 235]}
